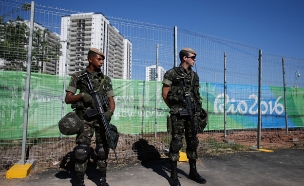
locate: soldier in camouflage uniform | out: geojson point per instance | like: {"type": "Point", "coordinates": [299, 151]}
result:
{"type": "Point", "coordinates": [175, 82]}
{"type": "Point", "coordinates": [82, 101]}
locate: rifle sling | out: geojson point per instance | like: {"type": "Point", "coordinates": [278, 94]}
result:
{"type": "Point", "coordinates": [102, 81]}
{"type": "Point", "coordinates": [192, 75]}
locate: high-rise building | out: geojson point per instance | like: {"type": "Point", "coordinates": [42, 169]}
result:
{"type": "Point", "coordinates": [92, 30]}
{"type": "Point", "coordinates": [153, 75]}
{"type": "Point", "coordinates": [52, 65]}
{"type": "Point", "coordinates": [127, 59]}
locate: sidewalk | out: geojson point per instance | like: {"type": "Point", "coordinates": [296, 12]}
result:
{"type": "Point", "coordinates": [280, 168]}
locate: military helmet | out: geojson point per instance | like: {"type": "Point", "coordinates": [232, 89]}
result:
{"type": "Point", "coordinates": [71, 124]}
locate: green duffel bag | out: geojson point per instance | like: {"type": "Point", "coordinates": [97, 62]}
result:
{"type": "Point", "coordinates": [115, 135]}
{"type": "Point", "coordinates": [202, 120]}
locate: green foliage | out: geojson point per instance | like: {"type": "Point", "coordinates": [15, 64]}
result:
{"type": "Point", "coordinates": [14, 39]}
{"type": "Point", "coordinates": [12, 44]}
{"type": "Point", "coordinates": [43, 51]}
{"type": "Point", "coordinates": [26, 7]}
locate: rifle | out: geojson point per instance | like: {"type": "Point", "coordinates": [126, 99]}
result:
{"type": "Point", "coordinates": [98, 110]}
{"type": "Point", "coordinates": [189, 107]}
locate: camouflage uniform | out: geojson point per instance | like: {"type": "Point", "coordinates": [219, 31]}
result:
{"type": "Point", "coordinates": [103, 85]}
{"type": "Point", "coordinates": [181, 94]}
{"type": "Point", "coordinates": [181, 125]}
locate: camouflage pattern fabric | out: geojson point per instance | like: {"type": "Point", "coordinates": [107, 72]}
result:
{"type": "Point", "coordinates": [181, 126]}
{"type": "Point", "coordinates": [173, 78]}
{"type": "Point", "coordinates": [103, 85]}
{"type": "Point", "coordinates": [100, 82]}
{"type": "Point", "coordinates": [115, 135]}
{"type": "Point", "coordinates": [70, 124]}
{"type": "Point", "coordinates": [85, 137]}
{"type": "Point", "coordinates": [202, 120]}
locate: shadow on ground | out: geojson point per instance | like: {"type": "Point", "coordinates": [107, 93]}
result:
{"type": "Point", "coordinates": [68, 166]}
{"type": "Point", "coordinates": [150, 158]}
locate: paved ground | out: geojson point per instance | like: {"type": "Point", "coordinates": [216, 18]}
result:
{"type": "Point", "coordinates": [279, 168]}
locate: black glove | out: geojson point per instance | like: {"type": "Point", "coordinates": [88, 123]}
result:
{"type": "Point", "coordinates": [77, 106]}
{"type": "Point", "coordinates": [108, 115]}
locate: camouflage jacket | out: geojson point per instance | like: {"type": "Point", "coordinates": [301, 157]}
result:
{"type": "Point", "coordinates": [101, 83]}
{"type": "Point", "coordinates": [176, 78]}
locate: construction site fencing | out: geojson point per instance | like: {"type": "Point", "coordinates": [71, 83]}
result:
{"type": "Point", "coordinates": [235, 78]}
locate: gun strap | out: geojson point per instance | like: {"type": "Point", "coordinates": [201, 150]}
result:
{"type": "Point", "coordinates": [101, 83]}
{"type": "Point", "coordinates": [192, 75]}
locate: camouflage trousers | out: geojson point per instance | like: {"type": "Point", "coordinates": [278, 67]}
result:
{"type": "Point", "coordinates": [86, 137]}
{"type": "Point", "coordinates": [181, 127]}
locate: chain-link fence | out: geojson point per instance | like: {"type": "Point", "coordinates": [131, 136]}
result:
{"type": "Point", "coordinates": [233, 76]}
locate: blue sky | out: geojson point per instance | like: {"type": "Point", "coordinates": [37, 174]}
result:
{"type": "Point", "coordinates": [275, 26]}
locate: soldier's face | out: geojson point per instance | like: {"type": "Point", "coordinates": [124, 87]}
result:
{"type": "Point", "coordinates": [96, 61]}
{"type": "Point", "coordinates": [190, 59]}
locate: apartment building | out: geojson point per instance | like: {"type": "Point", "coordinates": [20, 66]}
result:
{"type": "Point", "coordinates": [127, 60]}
{"type": "Point", "coordinates": [153, 75]}
{"type": "Point", "coordinates": [92, 30]}
{"type": "Point", "coordinates": [51, 66]}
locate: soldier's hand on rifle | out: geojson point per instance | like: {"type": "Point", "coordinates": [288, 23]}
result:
{"type": "Point", "coordinates": [108, 115]}
{"type": "Point", "coordinates": [87, 99]}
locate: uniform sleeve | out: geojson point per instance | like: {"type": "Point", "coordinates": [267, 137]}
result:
{"type": "Point", "coordinates": [196, 80]}
{"type": "Point", "coordinates": [73, 85]}
{"type": "Point", "coordinates": [110, 92]}
{"type": "Point", "coordinates": [167, 78]}
{"type": "Point", "coordinates": [196, 88]}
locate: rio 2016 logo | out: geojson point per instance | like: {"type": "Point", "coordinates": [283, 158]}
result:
{"type": "Point", "coordinates": [243, 108]}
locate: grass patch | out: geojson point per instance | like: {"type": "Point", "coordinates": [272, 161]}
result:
{"type": "Point", "coordinates": [211, 146]}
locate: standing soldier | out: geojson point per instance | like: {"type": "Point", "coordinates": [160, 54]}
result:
{"type": "Point", "coordinates": [185, 115]}
{"type": "Point", "coordinates": [83, 101]}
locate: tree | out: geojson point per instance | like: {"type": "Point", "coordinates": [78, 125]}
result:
{"type": "Point", "coordinates": [12, 45]}
{"type": "Point", "coordinates": [24, 7]}
{"type": "Point", "coordinates": [43, 49]}
{"type": "Point", "coordinates": [14, 37]}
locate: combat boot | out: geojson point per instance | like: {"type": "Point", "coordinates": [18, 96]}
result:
{"type": "Point", "coordinates": [173, 180]}
{"type": "Point", "coordinates": [193, 175]}
{"type": "Point", "coordinates": [80, 179]}
{"type": "Point", "coordinates": [102, 180]}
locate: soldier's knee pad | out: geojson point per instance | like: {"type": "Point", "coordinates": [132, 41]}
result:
{"type": "Point", "coordinates": [176, 145]}
{"type": "Point", "coordinates": [82, 152]}
{"type": "Point", "coordinates": [100, 152]}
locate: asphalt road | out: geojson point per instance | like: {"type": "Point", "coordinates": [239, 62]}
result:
{"type": "Point", "coordinates": [278, 168]}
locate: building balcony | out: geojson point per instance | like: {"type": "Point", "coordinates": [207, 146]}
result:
{"type": "Point", "coordinates": [71, 68]}
{"type": "Point", "coordinates": [73, 57]}
{"type": "Point", "coordinates": [49, 69]}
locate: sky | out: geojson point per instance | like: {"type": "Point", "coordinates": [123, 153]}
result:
{"type": "Point", "coordinates": [274, 26]}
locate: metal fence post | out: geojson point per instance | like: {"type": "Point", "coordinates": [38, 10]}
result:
{"type": "Point", "coordinates": [284, 88]}
{"type": "Point", "coordinates": [259, 99]}
{"type": "Point", "coordinates": [64, 82]}
{"type": "Point", "coordinates": [175, 46]}
{"type": "Point", "coordinates": [27, 86]}
{"type": "Point", "coordinates": [156, 81]}
{"type": "Point", "coordinates": [225, 133]}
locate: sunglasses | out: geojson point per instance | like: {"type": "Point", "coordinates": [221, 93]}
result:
{"type": "Point", "coordinates": [192, 57]}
